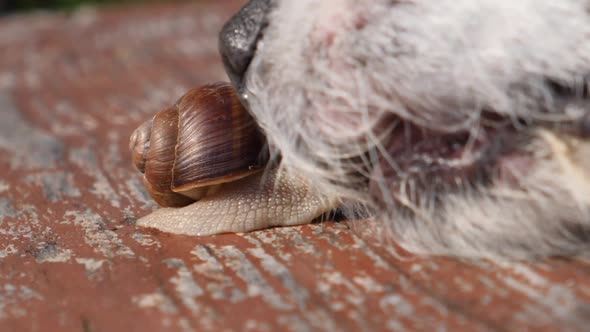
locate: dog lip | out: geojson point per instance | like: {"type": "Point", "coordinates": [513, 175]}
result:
{"type": "Point", "coordinates": [585, 126]}
{"type": "Point", "coordinates": [434, 161]}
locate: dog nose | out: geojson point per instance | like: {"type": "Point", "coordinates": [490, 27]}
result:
{"type": "Point", "coordinates": [238, 38]}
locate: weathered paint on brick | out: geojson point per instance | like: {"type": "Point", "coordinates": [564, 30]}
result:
{"type": "Point", "coordinates": [72, 88]}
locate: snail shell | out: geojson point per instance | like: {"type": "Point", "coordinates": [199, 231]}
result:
{"type": "Point", "coordinates": [186, 151]}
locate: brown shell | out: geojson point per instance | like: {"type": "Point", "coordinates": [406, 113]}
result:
{"type": "Point", "coordinates": [206, 139]}
{"type": "Point", "coordinates": [219, 140]}
{"type": "Point", "coordinates": [139, 144]}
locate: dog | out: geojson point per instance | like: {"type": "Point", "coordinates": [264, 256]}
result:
{"type": "Point", "coordinates": [462, 126]}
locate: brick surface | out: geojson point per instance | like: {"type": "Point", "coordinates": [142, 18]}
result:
{"type": "Point", "coordinates": [73, 87]}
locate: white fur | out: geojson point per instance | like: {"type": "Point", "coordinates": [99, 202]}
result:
{"type": "Point", "coordinates": [327, 74]}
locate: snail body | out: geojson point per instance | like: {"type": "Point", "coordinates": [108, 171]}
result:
{"type": "Point", "coordinates": [203, 158]}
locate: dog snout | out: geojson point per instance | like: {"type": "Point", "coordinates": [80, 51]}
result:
{"type": "Point", "coordinates": [239, 36]}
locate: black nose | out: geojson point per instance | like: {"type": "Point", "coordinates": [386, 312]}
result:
{"type": "Point", "coordinates": [238, 38]}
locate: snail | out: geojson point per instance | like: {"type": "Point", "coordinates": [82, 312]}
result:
{"type": "Point", "coordinates": [203, 161]}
